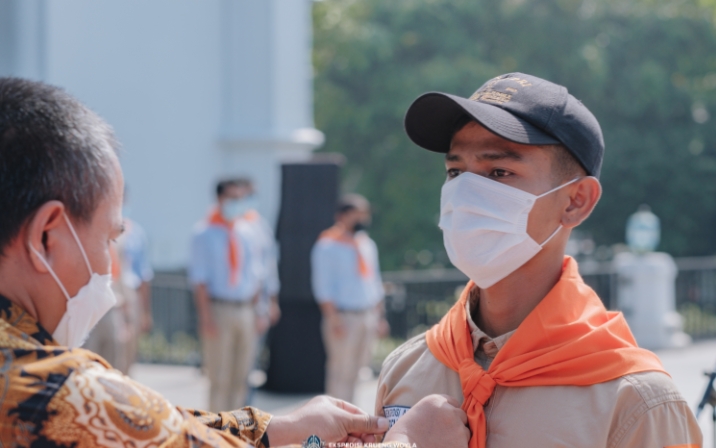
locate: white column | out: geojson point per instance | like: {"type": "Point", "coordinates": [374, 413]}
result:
{"type": "Point", "coordinates": [23, 38]}
{"type": "Point", "coordinates": [267, 110]}
{"type": "Point", "coordinates": [646, 294]}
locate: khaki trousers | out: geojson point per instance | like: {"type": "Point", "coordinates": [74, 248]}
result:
{"type": "Point", "coordinates": [346, 356]}
{"type": "Point", "coordinates": [105, 339]}
{"type": "Point", "coordinates": [229, 356]}
{"type": "Point", "coordinates": [132, 314]}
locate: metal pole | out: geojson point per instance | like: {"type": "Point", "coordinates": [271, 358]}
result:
{"type": "Point", "coordinates": [713, 418]}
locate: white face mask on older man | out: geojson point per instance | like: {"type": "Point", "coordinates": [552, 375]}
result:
{"type": "Point", "coordinates": [87, 307]}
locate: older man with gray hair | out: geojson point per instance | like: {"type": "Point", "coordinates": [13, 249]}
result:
{"type": "Point", "coordinates": [61, 198]}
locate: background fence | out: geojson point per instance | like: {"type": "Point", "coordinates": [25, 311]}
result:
{"type": "Point", "coordinates": [416, 300]}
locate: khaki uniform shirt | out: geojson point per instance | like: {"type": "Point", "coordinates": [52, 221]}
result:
{"type": "Point", "coordinates": [636, 410]}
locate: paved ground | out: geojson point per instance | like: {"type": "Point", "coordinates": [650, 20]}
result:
{"type": "Point", "coordinates": [686, 367]}
{"type": "Point", "coordinates": [186, 386]}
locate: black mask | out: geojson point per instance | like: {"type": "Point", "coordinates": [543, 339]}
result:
{"type": "Point", "coordinates": [359, 226]}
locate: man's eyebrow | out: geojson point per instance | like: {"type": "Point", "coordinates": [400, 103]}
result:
{"type": "Point", "coordinates": [500, 155]}
{"type": "Point", "coordinates": [452, 157]}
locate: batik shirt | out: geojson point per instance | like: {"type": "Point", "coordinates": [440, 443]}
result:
{"type": "Point", "coordinates": [52, 396]}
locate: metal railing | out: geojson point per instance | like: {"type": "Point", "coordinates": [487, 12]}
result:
{"type": "Point", "coordinates": [696, 295]}
{"type": "Point", "coordinates": [175, 336]}
{"type": "Point", "coordinates": [416, 300]}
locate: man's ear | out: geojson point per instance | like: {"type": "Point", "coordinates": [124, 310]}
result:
{"type": "Point", "coordinates": [584, 195]}
{"type": "Point", "coordinates": [41, 233]}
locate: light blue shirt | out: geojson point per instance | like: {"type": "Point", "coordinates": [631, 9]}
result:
{"type": "Point", "coordinates": [267, 250]}
{"type": "Point", "coordinates": [209, 262]}
{"type": "Point", "coordinates": [336, 274]}
{"type": "Point", "coordinates": [136, 267]}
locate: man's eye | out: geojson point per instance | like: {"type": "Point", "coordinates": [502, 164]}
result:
{"type": "Point", "coordinates": [453, 173]}
{"type": "Point", "coordinates": [499, 173]}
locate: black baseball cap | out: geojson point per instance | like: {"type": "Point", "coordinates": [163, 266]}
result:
{"type": "Point", "coordinates": [518, 107]}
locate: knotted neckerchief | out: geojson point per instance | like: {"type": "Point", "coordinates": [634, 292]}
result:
{"type": "Point", "coordinates": [569, 339]}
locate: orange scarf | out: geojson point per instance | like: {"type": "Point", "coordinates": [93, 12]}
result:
{"type": "Point", "coordinates": [569, 339]}
{"type": "Point", "coordinates": [339, 234]}
{"type": "Point", "coordinates": [116, 269]}
{"type": "Point", "coordinates": [216, 218]}
{"type": "Point", "coordinates": [251, 216]}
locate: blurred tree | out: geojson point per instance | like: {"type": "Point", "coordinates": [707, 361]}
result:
{"type": "Point", "coordinates": [647, 69]}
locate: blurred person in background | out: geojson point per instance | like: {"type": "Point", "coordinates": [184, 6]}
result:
{"type": "Point", "coordinates": [348, 288]}
{"type": "Point", "coordinates": [62, 197]}
{"type": "Point", "coordinates": [136, 273]}
{"type": "Point", "coordinates": [263, 243]}
{"type": "Point", "coordinates": [116, 336]}
{"type": "Point", "coordinates": [529, 348]}
{"type": "Point", "coordinates": [110, 337]}
{"type": "Point", "coordinates": [225, 270]}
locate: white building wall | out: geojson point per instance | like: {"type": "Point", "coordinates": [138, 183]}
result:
{"type": "Point", "coordinates": [196, 90]}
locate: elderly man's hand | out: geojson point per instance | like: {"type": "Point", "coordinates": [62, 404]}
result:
{"type": "Point", "coordinates": [332, 420]}
{"type": "Point", "coordinates": [436, 421]}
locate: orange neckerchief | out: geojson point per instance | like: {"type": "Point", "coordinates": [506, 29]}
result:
{"type": "Point", "coordinates": [116, 262]}
{"type": "Point", "coordinates": [569, 339]}
{"type": "Point", "coordinates": [339, 234]}
{"type": "Point", "coordinates": [251, 216]}
{"type": "Point", "coordinates": [216, 218]}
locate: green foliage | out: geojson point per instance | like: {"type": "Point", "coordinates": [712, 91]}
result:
{"type": "Point", "coordinates": [183, 349]}
{"type": "Point", "coordinates": [647, 69]}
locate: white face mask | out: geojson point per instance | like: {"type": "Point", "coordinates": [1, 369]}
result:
{"type": "Point", "coordinates": [484, 226]}
{"type": "Point", "coordinates": [85, 309]}
{"type": "Point", "coordinates": [235, 208]}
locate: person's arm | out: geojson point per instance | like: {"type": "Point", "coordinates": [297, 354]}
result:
{"type": "Point", "coordinates": [146, 273]}
{"type": "Point", "coordinates": [207, 324]}
{"type": "Point", "coordinates": [322, 279]}
{"type": "Point", "coordinates": [95, 405]}
{"type": "Point", "coordinates": [91, 386]}
{"type": "Point", "coordinates": [199, 276]}
{"type": "Point", "coordinates": [145, 301]}
{"type": "Point", "coordinates": [274, 310]}
{"type": "Point", "coordinates": [670, 424]}
{"type": "Point", "coordinates": [330, 314]}
{"type": "Point", "coordinates": [383, 325]}
{"type": "Point", "coordinates": [273, 284]}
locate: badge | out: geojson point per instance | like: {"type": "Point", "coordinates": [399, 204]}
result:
{"type": "Point", "coordinates": [393, 413]}
{"type": "Point", "coordinates": [313, 442]}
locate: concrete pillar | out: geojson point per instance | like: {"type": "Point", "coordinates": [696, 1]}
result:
{"type": "Point", "coordinates": [646, 294]}
{"type": "Point", "coordinates": [23, 38]}
{"type": "Point", "coordinates": [267, 92]}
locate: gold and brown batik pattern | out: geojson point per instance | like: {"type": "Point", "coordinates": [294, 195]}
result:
{"type": "Point", "coordinates": [53, 396]}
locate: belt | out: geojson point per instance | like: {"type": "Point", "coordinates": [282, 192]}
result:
{"type": "Point", "coordinates": [363, 311]}
{"type": "Point", "coordinates": [231, 302]}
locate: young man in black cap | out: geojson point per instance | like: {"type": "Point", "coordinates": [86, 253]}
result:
{"type": "Point", "coordinates": [528, 348]}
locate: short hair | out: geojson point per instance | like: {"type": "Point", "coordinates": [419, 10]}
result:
{"type": "Point", "coordinates": [240, 182]}
{"type": "Point", "coordinates": [565, 166]}
{"type": "Point", "coordinates": [351, 202]}
{"type": "Point", "coordinates": [52, 147]}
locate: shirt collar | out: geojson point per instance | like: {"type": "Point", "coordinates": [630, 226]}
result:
{"type": "Point", "coordinates": [482, 343]}
{"type": "Point", "coordinates": [19, 319]}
